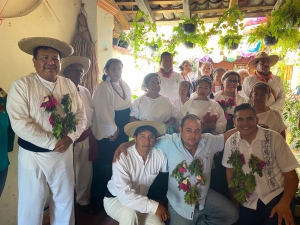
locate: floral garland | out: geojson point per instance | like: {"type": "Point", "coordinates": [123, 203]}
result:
{"type": "Point", "coordinates": [244, 184]}
{"type": "Point", "coordinates": [192, 195]}
{"type": "Point", "coordinates": [60, 126]}
{"type": "Point", "coordinates": [227, 104]}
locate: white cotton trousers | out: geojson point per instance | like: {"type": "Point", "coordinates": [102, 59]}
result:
{"type": "Point", "coordinates": [128, 216]}
{"type": "Point", "coordinates": [39, 172]}
{"type": "Point", "coordinates": [83, 169]}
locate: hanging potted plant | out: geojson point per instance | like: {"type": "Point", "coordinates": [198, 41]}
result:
{"type": "Point", "coordinates": [231, 41]}
{"type": "Point", "coordinates": [123, 40]}
{"type": "Point", "coordinates": [190, 24]}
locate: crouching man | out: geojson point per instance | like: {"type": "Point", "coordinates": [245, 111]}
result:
{"type": "Point", "coordinates": [133, 174]}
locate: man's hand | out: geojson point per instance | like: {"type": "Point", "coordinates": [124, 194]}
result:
{"type": "Point", "coordinates": [119, 150]}
{"type": "Point", "coordinates": [63, 144]}
{"type": "Point", "coordinates": [115, 136]}
{"type": "Point", "coordinates": [284, 212]}
{"type": "Point", "coordinates": [162, 213]}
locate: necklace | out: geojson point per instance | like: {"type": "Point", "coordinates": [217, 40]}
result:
{"type": "Point", "coordinates": [51, 92]}
{"type": "Point", "coordinates": [121, 85]}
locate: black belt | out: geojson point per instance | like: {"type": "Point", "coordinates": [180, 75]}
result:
{"type": "Point", "coordinates": [31, 147]}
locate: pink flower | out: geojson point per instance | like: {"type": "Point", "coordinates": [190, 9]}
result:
{"type": "Point", "coordinates": [182, 169]}
{"type": "Point", "coordinates": [248, 195]}
{"type": "Point", "coordinates": [227, 116]}
{"type": "Point", "coordinates": [185, 184]}
{"type": "Point", "coordinates": [243, 159]}
{"type": "Point", "coordinates": [51, 120]}
{"type": "Point", "coordinates": [262, 165]}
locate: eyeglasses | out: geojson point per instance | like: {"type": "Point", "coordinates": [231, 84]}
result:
{"type": "Point", "coordinates": [232, 81]}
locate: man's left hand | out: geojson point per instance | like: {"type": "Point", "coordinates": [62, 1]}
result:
{"type": "Point", "coordinates": [63, 144]}
{"type": "Point", "coordinates": [284, 212]}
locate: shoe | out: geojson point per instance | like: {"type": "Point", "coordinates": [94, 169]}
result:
{"type": "Point", "coordinates": [89, 209]}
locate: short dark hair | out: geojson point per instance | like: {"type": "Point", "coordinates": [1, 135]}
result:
{"type": "Point", "coordinates": [145, 128]}
{"type": "Point", "coordinates": [106, 67]}
{"type": "Point", "coordinates": [231, 72]}
{"type": "Point", "coordinates": [217, 70]}
{"type": "Point", "coordinates": [182, 64]}
{"type": "Point", "coordinates": [148, 77]}
{"type": "Point", "coordinates": [165, 54]}
{"type": "Point", "coordinates": [262, 86]}
{"type": "Point", "coordinates": [36, 50]}
{"type": "Point", "coordinates": [243, 106]}
{"type": "Point", "coordinates": [208, 80]}
{"type": "Point", "coordinates": [189, 116]}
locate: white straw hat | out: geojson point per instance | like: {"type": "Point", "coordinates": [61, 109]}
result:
{"type": "Point", "coordinates": [262, 55]}
{"type": "Point", "coordinates": [160, 127]}
{"type": "Point", "coordinates": [85, 62]}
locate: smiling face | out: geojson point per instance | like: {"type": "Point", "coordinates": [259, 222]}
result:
{"type": "Point", "coordinates": [259, 96]}
{"type": "Point", "coordinates": [47, 64]}
{"type": "Point", "coordinates": [153, 85]}
{"type": "Point", "coordinates": [183, 91]}
{"type": "Point", "coordinates": [167, 63]}
{"type": "Point", "coordinates": [74, 73]}
{"type": "Point", "coordinates": [187, 67]}
{"type": "Point", "coordinates": [231, 83]}
{"type": "Point", "coordinates": [263, 66]}
{"type": "Point", "coordinates": [203, 90]}
{"type": "Point", "coordinates": [114, 71]}
{"type": "Point", "coordinates": [245, 121]}
{"type": "Point", "coordinates": [144, 141]}
{"type": "Point", "coordinates": [206, 69]}
{"type": "Point", "coordinates": [190, 133]}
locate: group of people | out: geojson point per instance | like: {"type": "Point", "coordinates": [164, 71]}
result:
{"type": "Point", "coordinates": [185, 133]}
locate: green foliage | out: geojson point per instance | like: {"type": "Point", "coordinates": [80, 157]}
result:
{"type": "Point", "coordinates": [229, 40]}
{"type": "Point", "coordinates": [291, 114]}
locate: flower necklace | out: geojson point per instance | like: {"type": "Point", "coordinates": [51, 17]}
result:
{"type": "Point", "coordinates": [244, 184]}
{"type": "Point", "coordinates": [227, 104]}
{"type": "Point", "coordinates": [192, 195]}
{"type": "Point", "coordinates": [60, 126]}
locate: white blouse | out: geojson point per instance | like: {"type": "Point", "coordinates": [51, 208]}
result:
{"type": "Point", "coordinates": [160, 109]}
{"type": "Point", "coordinates": [170, 86]}
{"type": "Point", "coordinates": [200, 108]}
{"type": "Point", "coordinates": [272, 119]}
{"type": "Point", "coordinates": [106, 101]}
{"type": "Point", "coordinates": [86, 98]}
{"type": "Point", "coordinates": [238, 99]}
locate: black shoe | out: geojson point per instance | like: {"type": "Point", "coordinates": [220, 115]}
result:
{"type": "Point", "coordinates": [90, 208]}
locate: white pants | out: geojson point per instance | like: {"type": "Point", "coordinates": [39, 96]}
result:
{"type": "Point", "coordinates": [127, 216]}
{"type": "Point", "coordinates": [38, 173]}
{"type": "Point", "coordinates": [83, 169]}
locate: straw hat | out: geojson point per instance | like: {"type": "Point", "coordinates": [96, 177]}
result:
{"type": "Point", "coordinates": [85, 62]}
{"type": "Point", "coordinates": [160, 127]}
{"type": "Point", "coordinates": [262, 55]}
{"type": "Point", "coordinates": [28, 45]}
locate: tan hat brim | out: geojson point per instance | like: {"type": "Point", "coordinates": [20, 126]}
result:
{"type": "Point", "coordinates": [160, 127]}
{"type": "Point", "coordinates": [28, 45]}
{"type": "Point", "coordinates": [85, 62]}
{"type": "Point", "coordinates": [273, 58]}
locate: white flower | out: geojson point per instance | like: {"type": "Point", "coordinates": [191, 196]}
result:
{"type": "Point", "coordinates": [46, 99]}
{"type": "Point", "coordinates": [186, 180]}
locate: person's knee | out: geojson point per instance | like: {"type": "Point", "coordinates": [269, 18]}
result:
{"type": "Point", "coordinates": [130, 215]}
{"type": "Point", "coordinates": [234, 215]}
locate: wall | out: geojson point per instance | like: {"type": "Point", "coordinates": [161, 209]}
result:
{"type": "Point", "coordinates": [15, 64]}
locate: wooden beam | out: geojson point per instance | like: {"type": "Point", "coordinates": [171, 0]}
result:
{"type": "Point", "coordinates": [265, 7]}
{"type": "Point", "coordinates": [278, 4]}
{"type": "Point", "coordinates": [130, 11]}
{"type": "Point", "coordinates": [145, 7]}
{"type": "Point", "coordinates": [108, 6]}
{"type": "Point", "coordinates": [186, 8]}
{"type": "Point", "coordinates": [167, 2]}
{"type": "Point", "coordinates": [232, 3]}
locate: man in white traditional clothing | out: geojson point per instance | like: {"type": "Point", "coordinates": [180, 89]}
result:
{"type": "Point", "coordinates": [48, 115]}
{"type": "Point", "coordinates": [85, 148]}
{"type": "Point", "coordinates": [169, 79]}
{"type": "Point", "coordinates": [126, 200]}
{"type": "Point", "coordinates": [262, 64]}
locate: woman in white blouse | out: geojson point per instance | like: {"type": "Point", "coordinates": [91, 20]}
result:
{"type": "Point", "coordinates": [152, 106]}
{"type": "Point", "coordinates": [112, 101]}
{"type": "Point", "coordinates": [201, 104]}
{"type": "Point", "coordinates": [267, 117]}
{"type": "Point", "coordinates": [231, 84]}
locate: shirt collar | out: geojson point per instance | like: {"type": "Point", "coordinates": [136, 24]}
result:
{"type": "Point", "coordinates": [259, 134]}
{"type": "Point", "coordinates": [201, 143]}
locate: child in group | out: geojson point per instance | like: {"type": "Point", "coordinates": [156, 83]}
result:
{"type": "Point", "coordinates": [217, 83]}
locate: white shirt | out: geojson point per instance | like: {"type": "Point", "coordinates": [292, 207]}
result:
{"type": "Point", "coordinates": [270, 147]}
{"type": "Point", "coordinates": [275, 83]}
{"type": "Point", "coordinates": [272, 119]}
{"type": "Point", "coordinates": [200, 108]}
{"type": "Point", "coordinates": [86, 98]}
{"type": "Point", "coordinates": [132, 178]}
{"type": "Point", "coordinates": [106, 101]}
{"type": "Point", "coordinates": [238, 99]}
{"type": "Point", "coordinates": [29, 121]}
{"type": "Point", "coordinates": [170, 86]}
{"type": "Point", "coordinates": [160, 109]}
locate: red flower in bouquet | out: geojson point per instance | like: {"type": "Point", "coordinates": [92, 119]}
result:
{"type": "Point", "coordinates": [184, 185]}
{"type": "Point", "coordinates": [49, 103]}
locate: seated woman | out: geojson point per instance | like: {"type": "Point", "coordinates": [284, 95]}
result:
{"type": "Point", "coordinates": [186, 68]}
{"type": "Point", "coordinates": [217, 82]}
{"type": "Point", "coordinates": [228, 98]}
{"type": "Point", "coordinates": [267, 117]}
{"type": "Point", "coordinates": [200, 105]}
{"type": "Point", "coordinates": [152, 106]}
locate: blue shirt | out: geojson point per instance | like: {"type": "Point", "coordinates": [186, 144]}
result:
{"type": "Point", "coordinates": [173, 147]}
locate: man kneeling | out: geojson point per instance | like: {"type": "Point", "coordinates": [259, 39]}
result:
{"type": "Point", "coordinates": [133, 174]}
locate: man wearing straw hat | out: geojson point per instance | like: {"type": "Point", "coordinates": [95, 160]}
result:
{"type": "Point", "coordinates": [85, 148]}
{"type": "Point", "coordinates": [126, 200]}
{"type": "Point", "coordinates": [262, 64]}
{"type": "Point", "coordinates": [48, 115]}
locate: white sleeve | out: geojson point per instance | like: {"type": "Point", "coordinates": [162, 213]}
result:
{"type": "Point", "coordinates": [227, 154]}
{"type": "Point", "coordinates": [221, 122]}
{"type": "Point", "coordinates": [164, 168]}
{"type": "Point", "coordinates": [126, 195]}
{"type": "Point", "coordinates": [245, 88]}
{"type": "Point", "coordinates": [279, 120]}
{"type": "Point", "coordinates": [280, 98]}
{"type": "Point", "coordinates": [21, 121]}
{"type": "Point", "coordinates": [174, 112]}
{"type": "Point", "coordinates": [135, 112]}
{"type": "Point", "coordinates": [104, 115]}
